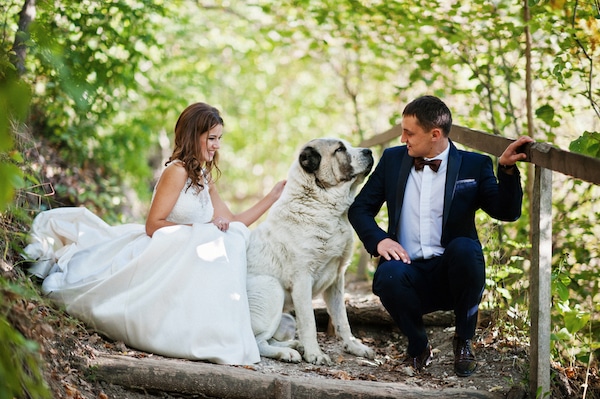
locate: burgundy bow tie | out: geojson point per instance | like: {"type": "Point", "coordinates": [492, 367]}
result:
{"type": "Point", "coordinates": [434, 164]}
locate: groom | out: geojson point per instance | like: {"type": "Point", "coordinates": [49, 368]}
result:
{"type": "Point", "coordinates": [431, 257]}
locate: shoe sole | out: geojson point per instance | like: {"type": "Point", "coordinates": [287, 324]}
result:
{"type": "Point", "coordinates": [467, 374]}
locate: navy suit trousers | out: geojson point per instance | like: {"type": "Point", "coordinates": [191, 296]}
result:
{"type": "Point", "coordinates": [453, 281]}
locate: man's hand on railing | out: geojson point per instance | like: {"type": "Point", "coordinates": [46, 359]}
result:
{"type": "Point", "coordinates": [513, 153]}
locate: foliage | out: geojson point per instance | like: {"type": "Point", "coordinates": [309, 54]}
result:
{"type": "Point", "coordinates": [20, 374]}
{"type": "Point", "coordinates": [14, 102]}
{"type": "Point", "coordinates": [587, 144]}
{"type": "Point", "coordinates": [575, 281]}
{"type": "Point", "coordinates": [86, 66]}
{"type": "Point", "coordinates": [572, 53]}
{"type": "Point", "coordinates": [359, 43]}
{"type": "Point", "coordinates": [20, 371]}
{"type": "Point", "coordinates": [569, 341]}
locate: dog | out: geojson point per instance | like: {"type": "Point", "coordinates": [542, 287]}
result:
{"type": "Point", "coordinates": [302, 249]}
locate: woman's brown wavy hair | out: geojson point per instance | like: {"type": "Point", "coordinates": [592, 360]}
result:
{"type": "Point", "coordinates": [196, 119]}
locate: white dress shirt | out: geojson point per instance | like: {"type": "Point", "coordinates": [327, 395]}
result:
{"type": "Point", "coordinates": [420, 227]}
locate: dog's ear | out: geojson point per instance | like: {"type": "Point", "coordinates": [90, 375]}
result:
{"type": "Point", "coordinates": [309, 159]}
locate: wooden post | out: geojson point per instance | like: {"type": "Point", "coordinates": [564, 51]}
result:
{"type": "Point", "coordinates": [540, 283]}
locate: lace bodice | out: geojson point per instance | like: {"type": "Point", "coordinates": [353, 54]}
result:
{"type": "Point", "coordinates": [192, 206]}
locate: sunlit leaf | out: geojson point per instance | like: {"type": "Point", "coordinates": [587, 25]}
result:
{"type": "Point", "coordinates": [546, 113]}
{"type": "Point", "coordinates": [575, 321]}
{"type": "Point", "coordinates": [562, 335]}
{"type": "Point", "coordinates": [587, 144]}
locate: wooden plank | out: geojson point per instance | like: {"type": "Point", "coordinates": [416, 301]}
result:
{"type": "Point", "coordinates": [568, 163]}
{"type": "Point", "coordinates": [480, 141]}
{"type": "Point", "coordinates": [230, 382]}
{"type": "Point", "coordinates": [540, 283]}
{"type": "Point", "coordinates": [541, 154]}
{"type": "Point", "coordinates": [477, 140]}
{"type": "Point", "coordinates": [383, 138]}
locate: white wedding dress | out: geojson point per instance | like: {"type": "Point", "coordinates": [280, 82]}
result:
{"type": "Point", "coordinates": [180, 293]}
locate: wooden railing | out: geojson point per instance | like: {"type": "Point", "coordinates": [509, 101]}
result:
{"type": "Point", "coordinates": [546, 159]}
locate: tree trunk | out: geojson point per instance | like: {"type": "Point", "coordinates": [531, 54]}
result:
{"type": "Point", "coordinates": [26, 16]}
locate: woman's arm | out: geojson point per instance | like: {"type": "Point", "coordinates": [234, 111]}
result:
{"type": "Point", "coordinates": [223, 215]}
{"type": "Point", "coordinates": [168, 188]}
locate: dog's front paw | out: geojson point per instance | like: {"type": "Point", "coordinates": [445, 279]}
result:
{"type": "Point", "coordinates": [357, 348]}
{"type": "Point", "coordinates": [282, 351]}
{"type": "Point", "coordinates": [318, 358]}
{"type": "Point", "coordinates": [289, 355]}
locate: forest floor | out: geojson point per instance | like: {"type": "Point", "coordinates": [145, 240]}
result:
{"type": "Point", "coordinates": [69, 349]}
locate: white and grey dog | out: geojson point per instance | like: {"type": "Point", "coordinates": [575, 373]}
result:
{"type": "Point", "coordinates": [303, 248]}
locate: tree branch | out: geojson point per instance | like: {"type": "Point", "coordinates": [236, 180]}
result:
{"type": "Point", "coordinates": [528, 77]}
{"type": "Point", "coordinates": [589, 95]}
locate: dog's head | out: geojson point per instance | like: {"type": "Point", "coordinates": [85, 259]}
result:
{"type": "Point", "coordinates": [335, 161]}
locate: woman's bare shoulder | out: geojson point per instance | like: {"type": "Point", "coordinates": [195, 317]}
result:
{"type": "Point", "coordinates": [174, 175]}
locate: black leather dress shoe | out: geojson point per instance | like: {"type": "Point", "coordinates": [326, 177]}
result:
{"type": "Point", "coordinates": [422, 360]}
{"type": "Point", "coordinates": [464, 358]}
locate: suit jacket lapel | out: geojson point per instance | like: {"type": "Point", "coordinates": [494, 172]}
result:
{"type": "Point", "coordinates": [454, 161]}
{"type": "Point", "coordinates": [405, 166]}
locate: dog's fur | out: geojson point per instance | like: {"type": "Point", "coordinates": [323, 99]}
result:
{"type": "Point", "coordinates": [302, 249]}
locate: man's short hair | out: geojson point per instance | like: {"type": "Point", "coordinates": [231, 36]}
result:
{"type": "Point", "coordinates": [431, 112]}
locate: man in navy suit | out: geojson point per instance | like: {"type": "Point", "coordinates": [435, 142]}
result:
{"type": "Point", "coordinates": [431, 257]}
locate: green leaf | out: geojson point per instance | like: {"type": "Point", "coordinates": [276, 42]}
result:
{"type": "Point", "coordinates": [563, 291]}
{"type": "Point", "coordinates": [576, 320]}
{"type": "Point", "coordinates": [562, 335]}
{"type": "Point", "coordinates": [10, 177]}
{"type": "Point", "coordinates": [546, 113]}
{"type": "Point", "coordinates": [504, 292]}
{"type": "Point", "coordinates": [587, 144]}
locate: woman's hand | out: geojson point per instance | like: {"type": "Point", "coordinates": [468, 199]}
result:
{"type": "Point", "coordinates": [249, 216]}
{"type": "Point", "coordinates": [277, 190]}
{"type": "Point", "coordinates": [221, 223]}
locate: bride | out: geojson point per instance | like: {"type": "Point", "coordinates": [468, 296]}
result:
{"type": "Point", "coordinates": [176, 286]}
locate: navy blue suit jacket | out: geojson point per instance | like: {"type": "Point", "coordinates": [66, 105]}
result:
{"type": "Point", "coordinates": [470, 185]}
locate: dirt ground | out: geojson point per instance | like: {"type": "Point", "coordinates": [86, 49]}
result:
{"type": "Point", "coordinates": [68, 347]}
